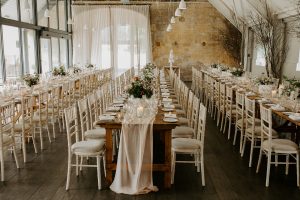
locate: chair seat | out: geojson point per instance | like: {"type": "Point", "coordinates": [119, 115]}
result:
{"type": "Point", "coordinates": [256, 121]}
{"type": "Point", "coordinates": [183, 132]}
{"type": "Point", "coordinates": [180, 112]}
{"type": "Point", "coordinates": [88, 147]}
{"type": "Point", "coordinates": [185, 144]}
{"type": "Point", "coordinates": [7, 140]}
{"type": "Point", "coordinates": [98, 133]}
{"type": "Point", "coordinates": [183, 121]}
{"type": "Point", "coordinates": [281, 146]}
{"type": "Point", "coordinates": [19, 125]}
{"type": "Point", "coordinates": [257, 132]}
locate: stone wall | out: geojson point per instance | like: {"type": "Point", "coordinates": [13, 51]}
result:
{"type": "Point", "coordinates": [195, 37]}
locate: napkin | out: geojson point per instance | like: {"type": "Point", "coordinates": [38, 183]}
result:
{"type": "Point", "coordinates": [165, 94]}
{"type": "Point", "coordinates": [250, 94]}
{"type": "Point", "coordinates": [113, 109]}
{"type": "Point", "coordinates": [167, 100]}
{"type": "Point", "coordinates": [106, 118]}
{"type": "Point", "coordinates": [169, 106]}
{"type": "Point", "coordinates": [278, 107]}
{"type": "Point", "coordinates": [118, 101]}
{"type": "Point", "coordinates": [170, 115]}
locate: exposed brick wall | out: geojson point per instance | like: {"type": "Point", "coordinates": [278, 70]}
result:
{"type": "Point", "coordinates": [195, 37]}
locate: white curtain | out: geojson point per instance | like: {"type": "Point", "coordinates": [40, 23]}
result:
{"type": "Point", "coordinates": [112, 36]}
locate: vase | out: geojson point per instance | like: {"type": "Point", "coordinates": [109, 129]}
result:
{"type": "Point", "coordinates": [265, 89]}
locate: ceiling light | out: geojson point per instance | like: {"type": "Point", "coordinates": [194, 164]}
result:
{"type": "Point", "coordinates": [172, 20]}
{"type": "Point", "coordinates": [177, 12]}
{"type": "Point", "coordinates": [182, 5]}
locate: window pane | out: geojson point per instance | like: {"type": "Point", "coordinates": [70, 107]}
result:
{"type": "Point", "coordinates": [11, 46]}
{"type": "Point", "coordinates": [45, 55]}
{"type": "Point", "coordinates": [41, 8]}
{"type": "Point", "coordinates": [55, 52]}
{"type": "Point", "coordinates": [9, 9]}
{"type": "Point", "coordinates": [260, 56]}
{"type": "Point", "coordinates": [62, 15]}
{"type": "Point", "coordinates": [26, 11]}
{"type": "Point", "coordinates": [53, 14]}
{"type": "Point", "coordinates": [29, 56]}
{"type": "Point", "coordinates": [63, 52]}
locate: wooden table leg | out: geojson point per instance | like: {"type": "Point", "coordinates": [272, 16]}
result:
{"type": "Point", "coordinates": [168, 144]}
{"type": "Point", "coordinates": [108, 155]}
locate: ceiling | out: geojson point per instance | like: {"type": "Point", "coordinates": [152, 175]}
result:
{"type": "Point", "coordinates": [234, 10]}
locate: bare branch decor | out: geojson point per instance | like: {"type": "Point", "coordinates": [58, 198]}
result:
{"type": "Point", "coordinates": [271, 33]}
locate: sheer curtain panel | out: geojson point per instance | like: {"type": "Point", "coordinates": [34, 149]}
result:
{"type": "Point", "coordinates": [112, 36]}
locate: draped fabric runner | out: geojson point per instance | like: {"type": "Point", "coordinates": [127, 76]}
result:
{"type": "Point", "coordinates": [134, 166]}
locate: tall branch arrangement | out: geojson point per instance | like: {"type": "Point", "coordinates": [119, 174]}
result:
{"type": "Point", "coordinates": [271, 33]}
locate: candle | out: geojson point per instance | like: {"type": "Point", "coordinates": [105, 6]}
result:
{"type": "Point", "coordinates": [140, 111]}
{"type": "Point", "coordinates": [274, 93]}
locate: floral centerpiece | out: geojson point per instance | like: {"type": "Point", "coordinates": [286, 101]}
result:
{"type": "Point", "coordinates": [265, 84]}
{"type": "Point", "coordinates": [223, 68]}
{"type": "Point", "coordinates": [31, 79]}
{"type": "Point", "coordinates": [214, 66]}
{"type": "Point", "coordinates": [60, 71]}
{"type": "Point", "coordinates": [139, 88]}
{"type": "Point", "coordinates": [143, 85]}
{"type": "Point", "coordinates": [238, 72]}
{"type": "Point", "coordinates": [290, 86]}
{"type": "Point", "coordinates": [76, 70]}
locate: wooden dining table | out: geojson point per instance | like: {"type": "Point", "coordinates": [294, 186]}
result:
{"type": "Point", "coordinates": [159, 127]}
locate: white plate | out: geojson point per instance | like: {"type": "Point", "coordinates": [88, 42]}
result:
{"type": "Point", "coordinates": [167, 109]}
{"type": "Point", "coordinates": [170, 120]}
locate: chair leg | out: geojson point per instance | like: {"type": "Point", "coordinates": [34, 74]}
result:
{"type": "Point", "coordinates": [48, 132]}
{"type": "Point", "coordinates": [104, 164]}
{"type": "Point", "coordinates": [68, 173]}
{"type": "Point", "coordinates": [241, 140]}
{"type": "Point", "coordinates": [229, 128]}
{"type": "Point", "coordinates": [287, 164]}
{"type": "Point", "coordinates": [15, 156]}
{"type": "Point", "coordinates": [34, 143]}
{"type": "Point", "coordinates": [276, 160]}
{"type": "Point", "coordinates": [259, 160]}
{"type": "Point", "coordinates": [225, 124]}
{"type": "Point", "coordinates": [268, 169]}
{"type": "Point", "coordinates": [99, 173]}
{"type": "Point", "coordinates": [2, 164]}
{"type": "Point", "coordinates": [77, 166]}
{"type": "Point", "coordinates": [235, 134]}
{"type": "Point", "coordinates": [297, 166]}
{"type": "Point", "coordinates": [41, 138]}
{"type": "Point", "coordinates": [251, 152]}
{"type": "Point", "coordinates": [53, 129]}
{"type": "Point", "coordinates": [202, 169]}
{"type": "Point", "coordinates": [24, 147]}
{"type": "Point", "coordinates": [244, 145]}
{"type": "Point", "coordinates": [173, 166]}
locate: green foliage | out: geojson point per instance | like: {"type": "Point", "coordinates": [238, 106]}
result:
{"type": "Point", "coordinates": [60, 71]}
{"type": "Point", "coordinates": [238, 72]}
{"type": "Point", "coordinates": [31, 79]}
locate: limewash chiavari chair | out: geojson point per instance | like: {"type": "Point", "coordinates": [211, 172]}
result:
{"type": "Point", "coordinates": [270, 146]}
{"type": "Point", "coordinates": [253, 128]}
{"type": "Point", "coordinates": [23, 126]}
{"type": "Point", "coordinates": [99, 101]}
{"type": "Point", "coordinates": [229, 109]}
{"type": "Point", "coordinates": [188, 131]}
{"type": "Point", "coordinates": [90, 148]}
{"type": "Point", "coordinates": [216, 106]}
{"type": "Point", "coordinates": [41, 115]}
{"type": "Point", "coordinates": [186, 120]}
{"type": "Point", "coordinates": [222, 102]}
{"type": "Point", "coordinates": [240, 118]}
{"type": "Point", "coordinates": [53, 109]}
{"type": "Point", "coordinates": [7, 140]}
{"type": "Point", "coordinates": [193, 146]}
{"type": "Point", "coordinates": [86, 130]}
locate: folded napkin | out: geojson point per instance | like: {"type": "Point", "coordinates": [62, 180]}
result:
{"type": "Point", "coordinates": [163, 86]}
{"type": "Point", "coordinates": [295, 117]}
{"type": "Point", "coordinates": [167, 100]}
{"type": "Point", "coordinates": [250, 94]}
{"type": "Point", "coordinates": [170, 115]}
{"type": "Point", "coordinates": [113, 109]}
{"type": "Point", "coordinates": [165, 94]}
{"type": "Point", "coordinates": [278, 107]}
{"type": "Point", "coordinates": [118, 101]}
{"type": "Point", "coordinates": [169, 106]}
{"type": "Point", "coordinates": [106, 118]}
{"type": "Point", "coordinates": [118, 104]}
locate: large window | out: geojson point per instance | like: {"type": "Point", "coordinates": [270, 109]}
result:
{"type": "Point", "coordinates": [9, 9]}
{"type": "Point", "coordinates": [21, 52]}
{"type": "Point", "coordinates": [260, 56]}
{"type": "Point", "coordinates": [11, 44]}
{"type": "Point", "coordinates": [29, 58]}
{"type": "Point", "coordinates": [26, 11]}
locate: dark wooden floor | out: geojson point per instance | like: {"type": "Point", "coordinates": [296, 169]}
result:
{"type": "Point", "coordinates": [227, 176]}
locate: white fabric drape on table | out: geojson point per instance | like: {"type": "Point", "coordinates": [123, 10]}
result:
{"type": "Point", "coordinates": [134, 165]}
{"type": "Point", "coordinates": [112, 36]}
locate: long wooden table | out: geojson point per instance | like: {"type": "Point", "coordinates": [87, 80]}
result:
{"type": "Point", "coordinates": [159, 127]}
